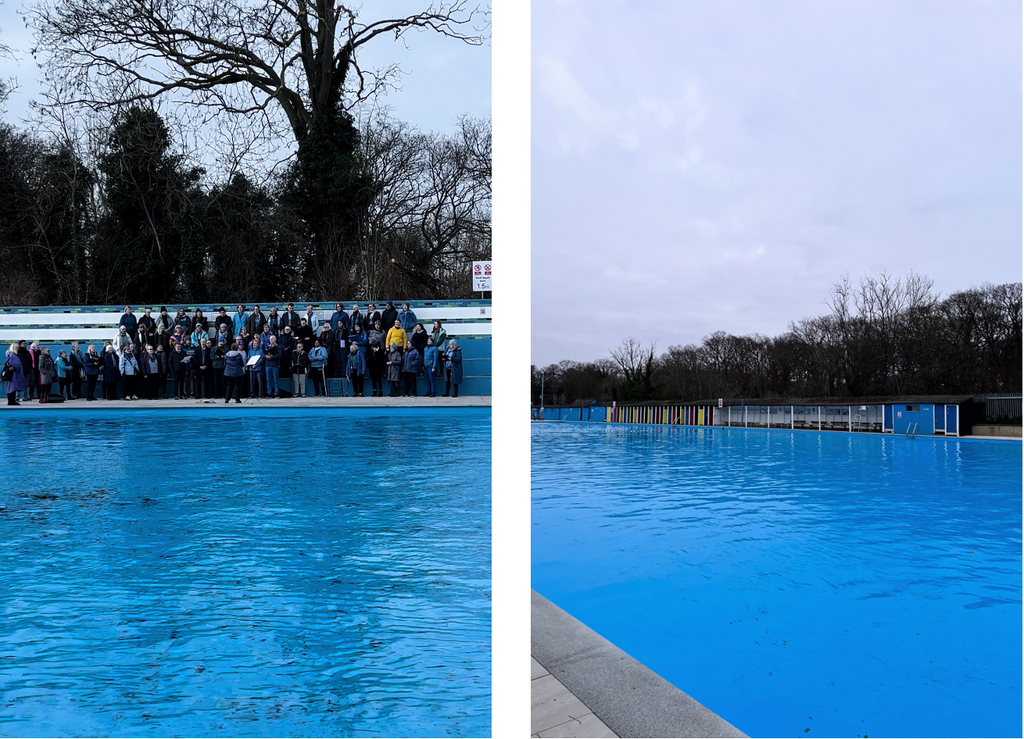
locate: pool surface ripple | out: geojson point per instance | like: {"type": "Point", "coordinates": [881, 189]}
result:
{"type": "Point", "coordinates": [280, 573]}
{"type": "Point", "coordinates": [797, 584]}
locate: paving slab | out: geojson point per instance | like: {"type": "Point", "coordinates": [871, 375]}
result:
{"type": "Point", "coordinates": [628, 697]}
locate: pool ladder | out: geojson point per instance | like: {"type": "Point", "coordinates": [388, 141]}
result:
{"type": "Point", "coordinates": [911, 430]}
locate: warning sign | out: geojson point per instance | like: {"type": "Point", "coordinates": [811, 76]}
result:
{"type": "Point", "coordinates": [481, 276]}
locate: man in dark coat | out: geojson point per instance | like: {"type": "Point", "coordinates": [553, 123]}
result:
{"type": "Point", "coordinates": [256, 321]}
{"type": "Point", "coordinates": [389, 316]}
{"type": "Point", "coordinates": [291, 318]}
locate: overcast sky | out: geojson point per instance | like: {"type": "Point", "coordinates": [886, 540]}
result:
{"type": "Point", "coordinates": [444, 79]}
{"type": "Point", "coordinates": [703, 166]}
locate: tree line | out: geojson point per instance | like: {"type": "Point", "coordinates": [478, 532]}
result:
{"type": "Point", "coordinates": [882, 336]}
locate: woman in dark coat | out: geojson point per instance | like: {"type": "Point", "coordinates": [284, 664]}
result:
{"type": "Point", "coordinates": [376, 364]}
{"type": "Point", "coordinates": [28, 368]}
{"type": "Point", "coordinates": [47, 374]}
{"type": "Point", "coordinates": [111, 373]}
{"type": "Point", "coordinates": [394, 369]}
{"type": "Point", "coordinates": [17, 382]}
{"type": "Point", "coordinates": [453, 368]}
{"type": "Point", "coordinates": [93, 364]}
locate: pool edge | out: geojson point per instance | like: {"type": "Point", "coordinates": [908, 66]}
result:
{"type": "Point", "coordinates": [629, 697]}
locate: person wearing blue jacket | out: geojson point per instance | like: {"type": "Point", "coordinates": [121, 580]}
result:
{"type": "Point", "coordinates": [356, 369]}
{"type": "Point", "coordinates": [317, 362]}
{"type": "Point", "coordinates": [257, 371]}
{"type": "Point", "coordinates": [430, 361]}
{"type": "Point", "coordinates": [111, 373]}
{"type": "Point", "coordinates": [410, 368]}
{"type": "Point", "coordinates": [130, 322]}
{"type": "Point", "coordinates": [93, 362]}
{"type": "Point", "coordinates": [407, 318]}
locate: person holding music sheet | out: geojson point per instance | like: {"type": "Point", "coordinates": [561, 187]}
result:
{"type": "Point", "coordinates": [256, 367]}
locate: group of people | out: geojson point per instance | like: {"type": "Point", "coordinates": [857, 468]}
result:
{"type": "Point", "coordinates": [244, 354]}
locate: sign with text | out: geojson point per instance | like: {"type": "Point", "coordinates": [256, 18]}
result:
{"type": "Point", "coordinates": [481, 276]}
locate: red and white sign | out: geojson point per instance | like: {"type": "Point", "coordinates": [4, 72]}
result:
{"type": "Point", "coordinates": [481, 276]}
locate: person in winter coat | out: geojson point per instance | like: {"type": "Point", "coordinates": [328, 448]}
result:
{"type": "Point", "coordinates": [430, 361]}
{"type": "Point", "coordinates": [111, 373]}
{"type": "Point", "coordinates": [317, 362]}
{"type": "Point", "coordinates": [77, 360]}
{"type": "Point", "coordinates": [150, 369]}
{"type": "Point", "coordinates": [16, 384]}
{"type": "Point", "coordinates": [371, 317]}
{"type": "Point", "coordinates": [304, 334]}
{"type": "Point", "coordinates": [129, 368]}
{"type": "Point", "coordinates": [407, 318]}
{"type": "Point", "coordinates": [291, 318]}
{"type": "Point", "coordinates": [129, 322]}
{"type": "Point", "coordinates": [28, 367]}
{"type": "Point", "coordinates": [394, 370]}
{"type": "Point", "coordinates": [396, 335]}
{"type": "Point", "coordinates": [410, 368]}
{"type": "Point", "coordinates": [312, 319]}
{"type": "Point", "coordinates": [93, 365]}
{"type": "Point", "coordinates": [388, 317]}
{"type": "Point", "coordinates": [418, 338]}
{"type": "Point", "coordinates": [356, 370]}
{"type": "Point", "coordinates": [287, 349]}
{"type": "Point", "coordinates": [183, 321]}
{"type": "Point", "coordinates": [63, 375]}
{"type": "Point", "coordinates": [339, 316]}
{"type": "Point", "coordinates": [375, 335]}
{"type": "Point", "coordinates": [165, 371]}
{"type": "Point", "coordinates": [177, 363]}
{"type": "Point", "coordinates": [256, 321]}
{"type": "Point", "coordinates": [272, 357]}
{"type": "Point", "coordinates": [258, 371]}
{"type": "Point", "coordinates": [217, 354]}
{"type": "Point", "coordinates": [453, 368]}
{"type": "Point", "coordinates": [376, 366]}
{"type": "Point", "coordinates": [274, 322]}
{"type": "Point", "coordinates": [47, 374]}
{"type": "Point", "coordinates": [121, 340]}
{"type": "Point", "coordinates": [239, 320]}
{"type": "Point", "coordinates": [440, 337]}
{"type": "Point", "coordinates": [300, 363]}
{"type": "Point", "coordinates": [234, 364]}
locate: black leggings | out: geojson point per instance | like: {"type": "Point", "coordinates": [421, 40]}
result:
{"type": "Point", "coordinates": [179, 383]}
{"type": "Point", "coordinates": [90, 384]}
{"type": "Point", "coordinates": [316, 374]}
{"type": "Point", "coordinates": [232, 385]}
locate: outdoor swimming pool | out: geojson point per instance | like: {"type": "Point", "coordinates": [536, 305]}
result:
{"type": "Point", "coordinates": [266, 572]}
{"type": "Point", "coordinates": [796, 583]}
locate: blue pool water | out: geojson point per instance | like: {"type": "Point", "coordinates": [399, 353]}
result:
{"type": "Point", "coordinates": [797, 584]}
{"type": "Point", "coordinates": [264, 573]}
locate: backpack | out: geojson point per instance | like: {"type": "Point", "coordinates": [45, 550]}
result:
{"type": "Point", "coordinates": [8, 372]}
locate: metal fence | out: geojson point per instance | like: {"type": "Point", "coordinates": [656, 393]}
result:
{"type": "Point", "coordinates": [1003, 408]}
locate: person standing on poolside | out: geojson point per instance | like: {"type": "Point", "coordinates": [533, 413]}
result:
{"type": "Point", "coordinates": [304, 333]}
{"type": "Point", "coordinates": [63, 375]}
{"type": "Point", "coordinates": [111, 373]}
{"type": "Point", "coordinates": [177, 364]}
{"type": "Point", "coordinates": [217, 353]}
{"type": "Point", "coordinates": [16, 384]}
{"type": "Point", "coordinates": [356, 370]}
{"type": "Point", "coordinates": [183, 321]}
{"type": "Point", "coordinates": [300, 362]}
{"type": "Point", "coordinates": [223, 323]}
{"type": "Point", "coordinates": [204, 368]}
{"type": "Point", "coordinates": [272, 357]}
{"type": "Point", "coordinates": [410, 368]}
{"type": "Point", "coordinates": [93, 365]}
{"type": "Point", "coordinates": [165, 372]}
{"type": "Point", "coordinates": [355, 317]}
{"type": "Point", "coordinates": [317, 362]}
{"type": "Point", "coordinates": [274, 322]}
{"type": "Point", "coordinates": [453, 369]}
{"type": "Point", "coordinates": [130, 373]}
{"type": "Point", "coordinates": [371, 317]}
{"type": "Point", "coordinates": [234, 369]}
{"type": "Point", "coordinates": [147, 329]}
{"type": "Point", "coordinates": [121, 340]}
{"type": "Point", "coordinates": [430, 360]}
{"type": "Point", "coordinates": [287, 343]}
{"type": "Point", "coordinates": [257, 371]}
{"type": "Point", "coordinates": [77, 360]}
{"type": "Point", "coordinates": [394, 364]}
{"type": "Point", "coordinates": [47, 374]}
{"type": "Point", "coordinates": [149, 368]}
{"type": "Point", "coordinates": [376, 335]}
{"type": "Point", "coordinates": [28, 368]}
{"type": "Point", "coordinates": [376, 366]}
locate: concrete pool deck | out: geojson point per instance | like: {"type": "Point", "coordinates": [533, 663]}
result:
{"type": "Point", "coordinates": [469, 401]}
{"type": "Point", "coordinates": [603, 688]}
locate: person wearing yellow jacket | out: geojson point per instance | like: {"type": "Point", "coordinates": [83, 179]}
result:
{"type": "Point", "coordinates": [396, 335]}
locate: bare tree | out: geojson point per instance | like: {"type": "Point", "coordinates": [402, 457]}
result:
{"type": "Point", "coordinates": [254, 58]}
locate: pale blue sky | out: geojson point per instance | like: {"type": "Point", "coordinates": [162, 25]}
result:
{"type": "Point", "coordinates": [699, 166]}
